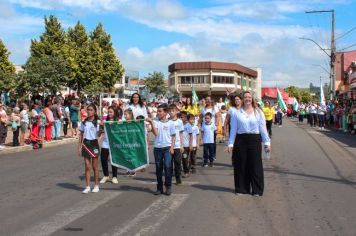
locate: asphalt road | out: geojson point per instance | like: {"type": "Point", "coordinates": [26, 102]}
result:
{"type": "Point", "coordinates": [310, 189]}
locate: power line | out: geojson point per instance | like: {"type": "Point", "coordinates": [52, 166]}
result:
{"type": "Point", "coordinates": [346, 33]}
{"type": "Point", "coordinates": [348, 47]}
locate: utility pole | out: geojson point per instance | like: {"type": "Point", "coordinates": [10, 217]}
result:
{"type": "Point", "coordinates": [332, 54]}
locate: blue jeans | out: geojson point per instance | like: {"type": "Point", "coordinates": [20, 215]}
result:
{"type": "Point", "coordinates": [163, 161]}
{"type": "Point", "coordinates": [56, 129]}
{"type": "Point", "coordinates": [209, 152]}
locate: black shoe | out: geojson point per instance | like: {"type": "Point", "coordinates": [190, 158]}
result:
{"type": "Point", "coordinates": [194, 171]}
{"type": "Point", "coordinates": [211, 164]}
{"type": "Point", "coordinates": [168, 191]}
{"type": "Point", "coordinates": [158, 192]}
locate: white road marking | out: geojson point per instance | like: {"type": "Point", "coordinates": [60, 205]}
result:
{"type": "Point", "coordinates": [148, 221]}
{"type": "Point", "coordinates": [89, 203]}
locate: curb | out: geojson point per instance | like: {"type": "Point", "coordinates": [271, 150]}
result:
{"type": "Point", "coordinates": [9, 150]}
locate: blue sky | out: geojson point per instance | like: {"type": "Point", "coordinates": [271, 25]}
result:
{"type": "Point", "coordinates": [148, 35]}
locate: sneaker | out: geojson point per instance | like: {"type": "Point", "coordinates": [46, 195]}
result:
{"type": "Point", "coordinates": [193, 171]}
{"type": "Point", "coordinates": [114, 180]}
{"type": "Point", "coordinates": [178, 182]}
{"type": "Point", "coordinates": [95, 189]}
{"type": "Point", "coordinates": [132, 174]}
{"type": "Point", "coordinates": [158, 192]}
{"type": "Point", "coordinates": [205, 165]}
{"type": "Point", "coordinates": [105, 179]}
{"type": "Point", "coordinates": [86, 190]}
{"type": "Point", "coordinates": [256, 195]}
{"type": "Point", "coordinates": [168, 191]}
{"type": "Point", "coordinates": [211, 164]}
{"type": "Point", "coordinates": [185, 175]}
{"type": "Point", "coordinates": [2, 146]}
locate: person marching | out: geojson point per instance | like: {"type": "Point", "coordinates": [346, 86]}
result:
{"type": "Point", "coordinates": [165, 133]}
{"type": "Point", "coordinates": [248, 130]}
{"type": "Point", "coordinates": [269, 115]}
{"type": "Point", "coordinates": [208, 132]}
{"type": "Point", "coordinates": [89, 146]}
{"type": "Point", "coordinates": [112, 115]}
{"type": "Point", "coordinates": [195, 143]}
{"type": "Point", "coordinates": [187, 143]}
{"type": "Point", "coordinates": [178, 146]}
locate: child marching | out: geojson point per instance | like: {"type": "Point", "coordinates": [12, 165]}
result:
{"type": "Point", "coordinates": [208, 131]}
{"type": "Point", "coordinates": [89, 147]}
{"type": "Point", "coordinates": [112, 115]}
{"type": "Point", "coordinates": [178, 146]}
{"type": "Point", "coordinates": [164, 131]}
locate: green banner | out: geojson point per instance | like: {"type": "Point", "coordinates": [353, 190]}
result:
{"type": "Point", "coordinates": [127, 144]}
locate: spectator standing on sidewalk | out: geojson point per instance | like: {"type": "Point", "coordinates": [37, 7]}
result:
{"type": "Point", "coordinates": [74, 117]}
{"type": "Point", "coordinates": [24, 122]}
{"type": "Point", "coordinates": [49, 120]}
{"type": "Point", "coordinates": [57, 123]}
{"type": "Point", "coordinates": [15, 124]}
{"type": "Point", "coordinates": [65, 118]}
{"type": "Point", "coordinates": [3, 126]}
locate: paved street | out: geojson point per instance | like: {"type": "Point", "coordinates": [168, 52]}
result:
{"type": "Point", "coordinates": [310, 190]}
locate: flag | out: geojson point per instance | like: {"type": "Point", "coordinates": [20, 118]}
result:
{"type": "Point", "coordinates": [243, 84]}
{"type": "Point", "coordinates": [295, 105]}
{"type": "Point", "coordinates": [281, 103]}
{"type": "Point", "coordinates": [127, 144]}
{"type": "Point", "coordinates": [195, 99]}
{"type": "Point", "coordinates": [322, 97]}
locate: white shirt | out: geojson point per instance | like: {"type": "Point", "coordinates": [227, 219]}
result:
{"type": "Point", "coordinates": [165, 132]}
{"type": "Point", "coordinates": [223, 117]}
{"type": "Point", "coordinates": [312, 109]}
{"type": "Point", "coordinates": [186, 134]}
{"type": "Point", "coordinates": [24, 116]}
{"type": "Point", "coordinates": [137, 110]}
{"type": "Point", "coordinates": [179, 127]}
{"type": "Point", "coordinates": [90, 132]}
{"type": "Point", "coordinates": [321, 110]}
{"type": "Point", "coordinates": [220, 104]}
{"type": "Point", "coordinates": [195, 132]}
{"type": "Point", "coordinates": [213, 111]}
{"type": "Point", "coordinates": [208, 131]}
{"type": "Point", "coordinates": [243, 123]}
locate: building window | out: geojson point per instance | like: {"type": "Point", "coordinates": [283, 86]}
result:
{"type": "Point", "coordinates": [198, 79]}
{"type": "Point", "coordinates": [217, 79]}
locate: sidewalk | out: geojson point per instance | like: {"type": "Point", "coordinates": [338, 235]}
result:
{"type": "Point", "coordinates": [10, 149]}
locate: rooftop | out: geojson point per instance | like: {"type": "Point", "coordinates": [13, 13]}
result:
{"type": "Point", "coordinates": [211, 65]}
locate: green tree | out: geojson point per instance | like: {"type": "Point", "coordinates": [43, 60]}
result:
{"type": "Point", "coordinates": [47, 67]}
{"type": "Point", "coordinates": [305, 96]}
{"type": "Point", "coordinates": [110, 68]}
{"type": "Point", "coordinates": [78, 55]}
{"type": "Point", "coordinates": [44, 74]}
{"type": "Point", "coordinates": [52, 42]}
{"type": "Point", "coordinates": [7, 69]}
{"type": "Point", "coordinates": [293, 92]}
{"type": "Point", "coordinates": [155, 83]}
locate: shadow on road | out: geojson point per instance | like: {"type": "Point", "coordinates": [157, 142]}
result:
{"type": "Point", "coordinates": [317, 177]}
{"type": "Point", "coordinates": [70, 186]}
{"type": "Point", "coordinates": [213, 188]}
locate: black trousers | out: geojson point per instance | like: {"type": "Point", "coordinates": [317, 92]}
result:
{"type": "Point", "coordinates": [15, 137]}
{"type": "Point", "coordinates": [65, 126]}
{"type": "Point", "coordinates": [104, 158]}
{"type": "Point", "coordinates": [177, 163]}
{"type": "Point", "coordinates": [248, 167]}
{"type": "Point", "coordinates": [269, 127]}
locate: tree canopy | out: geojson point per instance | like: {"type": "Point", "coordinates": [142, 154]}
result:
{"type": "Point", "coordinates": [7, 69]}
{"type": "Point", "coordinates": [155, 83]}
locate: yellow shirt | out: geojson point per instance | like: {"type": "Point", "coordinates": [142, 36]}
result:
{"type": "Point", "coordinates": [191, 109]}
{"type": "Point", "coordinates": [269, 113]}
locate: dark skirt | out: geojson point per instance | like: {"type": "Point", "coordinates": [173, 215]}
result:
{"type": "Point", "coordinates": [90, 148]}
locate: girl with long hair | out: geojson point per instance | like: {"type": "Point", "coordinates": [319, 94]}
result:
{"type": "Point", "coordinates": [88, 146]}
{"type": "Point", "coordinates": [112, 115]}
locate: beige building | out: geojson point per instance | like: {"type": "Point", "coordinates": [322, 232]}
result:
{"type": "Point", "coordinates": [212, 78]}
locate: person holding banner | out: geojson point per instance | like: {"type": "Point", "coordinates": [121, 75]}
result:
{"type": "Point", "coordinates": [89, 146]}
{"type": "Point", "coordinates": [112, 115]}
{"type": "Point", "coordinates": [137, 106]}
{"type": "Point", "coordinates": [165, 133]}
